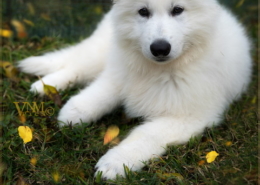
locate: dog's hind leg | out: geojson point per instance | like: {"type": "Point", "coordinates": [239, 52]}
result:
{"type": "Point", "coordinates": [85, 60]}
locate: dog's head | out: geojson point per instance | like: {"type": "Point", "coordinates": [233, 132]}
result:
{"type": "Point", "coordinates": [164, 30]}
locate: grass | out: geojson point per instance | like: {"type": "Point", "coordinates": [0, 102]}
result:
{"type": "Point", "coordinates": [68, 155]}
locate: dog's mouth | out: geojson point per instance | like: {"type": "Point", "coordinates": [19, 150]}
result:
{"type": "Point", "coordinates": [161, 59]}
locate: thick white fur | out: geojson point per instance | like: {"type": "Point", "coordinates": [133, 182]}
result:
{"type": "Point", "coordinates": [209, 67]}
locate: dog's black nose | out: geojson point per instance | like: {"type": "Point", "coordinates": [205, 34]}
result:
{"type": "Point", "coordinates": [160, 48]}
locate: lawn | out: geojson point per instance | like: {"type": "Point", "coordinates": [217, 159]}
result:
{"type": "Point", "coordinates": [68, 155]}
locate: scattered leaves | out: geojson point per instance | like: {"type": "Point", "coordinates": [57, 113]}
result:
{"type": "Point", "coordinates": [110, 134]}
{"type": "Point", "coordinates": [211, 156]}
{"type": "Point", "coordinates": [25, 133]}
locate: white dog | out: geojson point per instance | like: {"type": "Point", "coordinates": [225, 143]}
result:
{"type": "Point", "coordinates": [176, 63]}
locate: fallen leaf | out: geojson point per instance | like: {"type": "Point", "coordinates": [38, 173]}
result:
{"type": "Point", "coordinates": [110, 134]}
{"type": "Point", "coordinates": [228, 143]}
{"type": "Point", "coordinates": [6, 33]}
{"type": "Point", "coordinates": [211, 156]}
{"type": "Point", "coordinates": [56, 176]}
{"type": "Point", "coordinates": [22, 118]}
{"type": "Point", "coordinates": [33, 161]}
{"type": "Point", "coordinates": [25, 133]}
{"type": "Point", "coordinates": [20, 28]}
{"type": "Point", "coordinates": [202, 162]}
{"type": "Point", "coordinates": [10, 71]}
{"type": "Point", "coordinates": [52, 93]}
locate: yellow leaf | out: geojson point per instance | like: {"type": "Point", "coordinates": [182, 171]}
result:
{"type": "Point", "coordinates": [6, 33]}
{"type": "Point", "coordinates": [52, 93]}
{"type": "Point", "coordinates": [33, 161]}
{"type": "Point", "coordinates": [20, 28]}
{"type": "Point", "coordinates": [25, 133]}
{"type": "Point", "coordinates": [211, 156]}
{"type": "Point", "coordinates": [111, 133]}
{"type": "Point", "coordinates": [228, 143]}
{"type": "Point", "coordinates": [10, 70]}
{"type": "Point", "coordinates": [56, 176]}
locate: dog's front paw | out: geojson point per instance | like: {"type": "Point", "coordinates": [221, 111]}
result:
{"type": "Point", "coordinates": [74, 111]}
{"type": "Point", "coordinates": [37, 87]}
{"type": "Point", "coordinates": [112, 163]}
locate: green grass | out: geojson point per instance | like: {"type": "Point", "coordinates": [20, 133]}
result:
{"type": "Point", "coordinates": [73, 152]}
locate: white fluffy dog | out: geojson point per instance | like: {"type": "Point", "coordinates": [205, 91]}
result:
{"type": "Point", "coordinates": [176, 63]}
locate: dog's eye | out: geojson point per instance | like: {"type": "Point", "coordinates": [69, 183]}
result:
{"type": "Point", "coordinates": [144, 12]}
{"type": "Point", "coordinates": [177, 10]}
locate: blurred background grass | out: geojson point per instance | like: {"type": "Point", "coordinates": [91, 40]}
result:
{"type": "Point", "coordinates": [76, 19]}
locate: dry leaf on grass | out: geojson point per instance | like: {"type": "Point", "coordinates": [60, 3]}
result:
{"type": "Point", "coordinates": [211, 156]}
{"type": "Point", "coordinates": [20, 28]}
{"type": "Point", "coordinates": [25, 133]}
{"type": "Point", "coordinates": [33, 161]}
{"type": "Point", "coordinates": [110, 134]}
